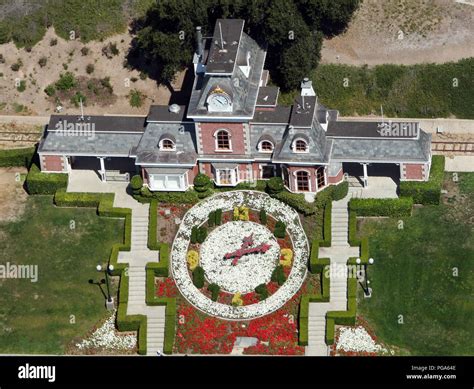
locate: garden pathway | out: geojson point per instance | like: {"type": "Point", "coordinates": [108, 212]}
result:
{"type": "Point", "coordinates": [339, 253]}
{"type": "Point", "coordinates": [137, 257]}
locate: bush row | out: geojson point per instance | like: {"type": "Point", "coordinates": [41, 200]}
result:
{"type": "Point", "coordinates": [161, 267]}
{"type": "Point", "coordinates": [426, 192]}
{"type": "Point", "coordinates": [323, 296]}
{"type": "Point", "coordinates": [38, 183]}
{"type": "Point", "coordinates": [382, 207]}
{"type": "Point", "coordinates": [17, 157]}
{"type": "Point", "coordinates": [188, 197]}
{"type": "Point", "coordinates": [327, 226]}
{"type": "Point", "coordinates": [316, 264]}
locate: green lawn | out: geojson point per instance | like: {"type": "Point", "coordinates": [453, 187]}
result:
{"type": "Point", "coordinates": [413, 276]}
{"type": "Point", "coordinates": [36, 317]}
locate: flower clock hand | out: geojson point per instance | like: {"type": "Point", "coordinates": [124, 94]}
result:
{"type": "Point", "coordinates": [245, 249]}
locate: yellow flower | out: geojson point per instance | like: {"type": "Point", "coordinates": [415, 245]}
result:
{"type": "Point", "coordinates": [193, 259]}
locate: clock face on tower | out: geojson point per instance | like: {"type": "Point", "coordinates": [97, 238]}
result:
{"type": "Point", "coordinates": [219, 101]}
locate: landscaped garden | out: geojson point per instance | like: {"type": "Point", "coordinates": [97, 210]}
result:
{"type": "Point", "coordinates": [424, 275]}
{"type": "Point", "coordinates": [53, 314]}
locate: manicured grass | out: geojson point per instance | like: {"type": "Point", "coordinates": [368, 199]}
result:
{"type": "Point", "coordinates": [413, 277]}
{"type": "Point", "coordinates": [424, 90]}
{"type": "Point", "coordinates": [36, 317]}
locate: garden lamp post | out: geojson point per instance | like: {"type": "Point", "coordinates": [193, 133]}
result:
{"type": "Point", "coordinates": [366, 288]}
{"type": "Point", "coordinates": [109, 302]}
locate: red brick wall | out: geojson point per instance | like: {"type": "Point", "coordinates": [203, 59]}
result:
{"type": "Point", "coordinates": [312, 176]}
{"type": "Point", "coordinates": [336, 179]}
{"type": "Point", "coordinates": [192, 173]}
{"type": "Point", "coordinates": [413, 171]}
{"type": "Point", "coordinates": [206, 168]}
{"type": "Point", "coordinates": [236, 131]}
{"type": "Point", "coordinates": [53, 163]}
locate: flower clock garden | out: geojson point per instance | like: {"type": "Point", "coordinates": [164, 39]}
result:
{"type": "Point", "coordinates": [239, 267]}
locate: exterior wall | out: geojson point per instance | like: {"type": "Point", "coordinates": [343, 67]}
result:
{"type": "Point", "coordinates": [53, 163]}
{"type": "Point", "coordinates": [337, 178]}
{"type": "Point", "coordinates": [144, 176]}
{"type": "Point", "coordinates": [206, 168]}
{"type": "Point", "coordinates": [192, 173]}
{"type": "Point", "coordinates": [413, 172]}
{"type": "Point", "coordinates": [236, 131]}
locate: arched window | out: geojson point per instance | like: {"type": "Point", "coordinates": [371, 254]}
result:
{"type": "Point", "coordinates": [265, 146]}
{"type": "Point", "coordinates": [167, 145]}
{"type": "Point", "coordinates": [223, 140]}
{"type": "Point", "coordinates": [302, 181]}
{"type": "Point", "coordinates": [300, 146]}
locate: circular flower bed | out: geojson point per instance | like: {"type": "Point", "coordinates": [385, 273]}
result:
{"type": "Point", "coordinates": [227, 201]}
{"type": "Point", "coordinates": [249, 271]}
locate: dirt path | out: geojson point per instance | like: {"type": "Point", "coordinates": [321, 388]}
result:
{"type": "Point", "coordinates": [405, 32]}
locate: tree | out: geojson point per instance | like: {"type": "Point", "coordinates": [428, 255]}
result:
{"type": "Point", "coordinates": [289, 29]}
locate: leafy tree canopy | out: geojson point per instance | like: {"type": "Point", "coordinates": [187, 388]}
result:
{"type": "Point", "coordinates": [292, 31]}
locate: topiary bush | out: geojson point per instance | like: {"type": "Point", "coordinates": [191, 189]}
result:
{"type": "Point", "coordinates": [263, 216]}
{"type": "Point", "coordinates": [136, 183]}
{"type": "Point", "coordinates": [211, 220]}
{"type": "Point", "coordinates": [340, 191]}
{"type": "Point", "coordinates": [275, 185]}
{"type": "Point", "coordinates": [262, 291]}
{"type": "Point", "coordinates": [278, 275]}
{"type": "Point", "coordinates": [194, 234]}
{"type": "Point", "coordinates": [198, 277]}
{"type": "Point", "coordinates": [202, 185]}
{"type": "Point", "coordinates": [214, 289]}
{"type": "Point", "coordinates": [218, 217]}
{"type": "Point", "coordinates": [280, 229]}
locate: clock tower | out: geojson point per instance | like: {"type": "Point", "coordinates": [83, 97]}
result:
{"type": "Point", "coordinates": [219, 101]}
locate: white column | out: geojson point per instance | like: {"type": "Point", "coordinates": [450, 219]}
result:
{"type": "Point", "coordinates": [366, 179]}
{"type": "Point", "coordinates": [102, 169]}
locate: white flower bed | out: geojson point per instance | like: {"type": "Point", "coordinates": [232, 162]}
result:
{"type": "Point", "coordinates": [251, 270]}
{"type": "Point", "coordinates": [357, 340]}
{"type": "Point", "coordinates": [105, 337]}
{"type": "Point", "coordinates": [227, 201]}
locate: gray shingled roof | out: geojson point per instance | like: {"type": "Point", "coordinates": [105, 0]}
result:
{"type": "Point", "coordinates": [99, 123]}
{"type": "Point", "coordinates": [100, 144]}
{"type": "Point", "coordinates": [359, 129]}
{"type": "Point", "coordinates": [261, 132]}
{"type": "Point", "coordinates": [244, 90]}
{"type": "Point", "coordinates": [389, 150]}
{"type": "Point", "coordinates": [148, 151]}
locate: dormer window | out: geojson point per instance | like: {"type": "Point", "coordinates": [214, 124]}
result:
{"type": "Point", "coordinates": [167, 144]}
{"type": "Point", "coordinates": [265, 146]}
{"type": "Point", "coordinates": [300, 146]}
{"type": "Point", "coordinates": [223, 142]}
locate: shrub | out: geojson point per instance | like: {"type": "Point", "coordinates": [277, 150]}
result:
{"type": "Point", "coordinates": [202, 183]}
{"type": "Point", "coordinates": [16, 66]}
{"type": "Point", "coordinates": [382, 207]}
{"type": "Point", "coordinates": [53, 42]}
{"type": "Point", "coordinates": [211, 220]}
{"type": "Point", "coordinates": [2, 58]}
{"type": "Point", "coordinates": [44, 183]}
{"type": "Point", "coordinates": [262, 291]}
{"type": "Point", "coordinates": [136, 183]}
{"type": "Point", "coordinates": [275, 185]}
{"type": "Point", "coordinates": [327, 226]}
{"type": "Point", "coordinates": [426, 192]}
{"type": "Point", "coordinates": [201, 234]}
{"type": "Point", "coordinates": [263, 217]}
{"type": "Point", "coordinates": [218, 216]}
{"type": "Point", "coordinates": [78, 98]}
{"type": "Point", "coordinates": [278, 275]}
{"type": "Point", "coordinates": [42, 61]}
{"type": "Point", "coordinates": [340, 191]}
{"type": "Point", "coordinates": [188, 197]}
{"type": "Point", "coordinates": [296, 201]}
{"type": "Point", "coordinates": [85, 50]}
{"type": "Point", "coordinates": [316, 264]}
{"type": "Point", "coordinates": [90, 68]}
{"type": "Point", "coordinates": [21, 86]}
{"type": "Point", "coordinates": [66, 81]}
{"type": "Point", "coordinates": [193, 259]}
{"type": "Point", "coordinates": [16, 157]}
{"type": "Point", "coordinates": [105, 82]}
{"type": "Point", "coordinates": [135, 98]}
{"type": "Point", "coordinates": [280, 229]}
{"type": "Point", "coordinates": [194, 234]}
{"type": "Point", "coordinates": [50, 90]}
{"type": "Point", "coordinates": [198, 277]}
{"type": "Point", "coordinates": [110, 50]}
{"type": "Point", "coordinates": [214, 289]}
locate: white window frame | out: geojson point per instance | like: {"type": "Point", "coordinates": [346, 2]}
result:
{"type": "Point", "coordinates": [262, 165]}
{"type": "Point", "coordinates": [164, 149]}
{"type": "Point", "coordinates": [216, 145]}
{"type": "Point", "coordinates": [293, 146]}
{"type": "Point", "coordinates": [233, 177]}
{"type": "Point", "coordinates": [260, 150]}
{"type": "Point", "coordinates": [295, 174]}
{"type": "Point", "coordinates": [182, 182]}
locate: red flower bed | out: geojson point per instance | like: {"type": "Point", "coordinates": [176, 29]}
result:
{"type": "Point", "coordinates": [166, 288]}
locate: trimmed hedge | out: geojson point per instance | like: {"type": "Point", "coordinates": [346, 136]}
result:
{"type": "Point", "coordinates": [17, 157]}
{"type": "Point", "coordinates": [188, 197]}
{"type": "Point", "coordinates": [275, 185]}
{"type": "Point", "coordinates": [38, 183]}
{"type": "Point", "coordinates": [323, 296]}
{"type": "Point", "coordinates": [327, 226]}
{"type": "Point", "coordinates": [426, 192]}
{"type": "Point", "coordinates": [316, 264]}
{"type": "Point", "coordinates": [280, 229]}
{"type": "Point", "coordinates": [161, 267]}
{"type": "Point", "coordinates": [353, 241]}
{"type": "Point", "coordinates": [382, 207]}
{"type": "Point", "coordinates": [296, 201]}
{"type": "Point", "coordinates": [340, 191]}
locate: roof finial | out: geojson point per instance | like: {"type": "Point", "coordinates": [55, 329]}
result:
{"type": "Point", "coordinates": [222, 39]}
